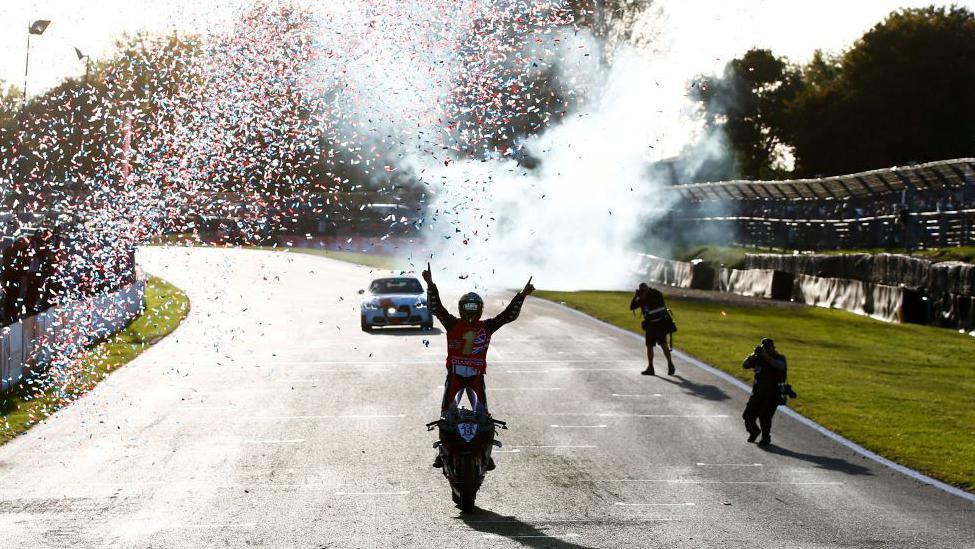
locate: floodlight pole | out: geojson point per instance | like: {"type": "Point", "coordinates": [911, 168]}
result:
{"type": "Point", "coordinates": [27, 64]}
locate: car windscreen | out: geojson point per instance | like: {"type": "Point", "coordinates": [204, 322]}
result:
{"type": "Point", "coordinates": [396, 286]}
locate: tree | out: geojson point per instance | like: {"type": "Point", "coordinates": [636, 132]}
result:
{"type": "Point", "coordinates": [901, 94]}
{"type": "Point", "coordinates": [749, 104]}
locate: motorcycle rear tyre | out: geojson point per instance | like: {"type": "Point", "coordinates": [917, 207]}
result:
{"type": "Point", "coordinates": [468, 483]}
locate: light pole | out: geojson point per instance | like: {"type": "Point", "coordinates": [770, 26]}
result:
{"type": "Point", "coordinates": [38, 28]}
{"type": "Point", "coordinates": [87, 59]}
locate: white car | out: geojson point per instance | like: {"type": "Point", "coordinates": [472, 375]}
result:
{"type": "Point", "coordinates": [398, 301]}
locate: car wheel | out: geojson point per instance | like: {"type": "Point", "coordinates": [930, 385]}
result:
{"type": "Point", "coordinates": [426, 325]}
{"type": "Point", "coordinates": [365, 326]}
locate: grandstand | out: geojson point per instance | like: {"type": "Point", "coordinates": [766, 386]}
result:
{"type": "Point", "coordinates": [921, 206]}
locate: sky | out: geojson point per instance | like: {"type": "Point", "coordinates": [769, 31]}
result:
{"type": "Point", "coordinates": [707, 33]}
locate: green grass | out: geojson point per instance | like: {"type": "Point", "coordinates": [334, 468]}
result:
{"type": "Point", "coordinates": [903, 391]}
{"type": "Point", "coordinates": [376, 261]}
{"type": "Point", "coordinates": [23, 406]}
{"type": "Point", "coordinates": [964, 254]}
{"type": "Point", "coordinates": [729, 256]}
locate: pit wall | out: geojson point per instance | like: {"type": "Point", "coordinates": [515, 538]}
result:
{"type": "Point", "coordinates": [64, 330]}
{"type": "Point", "coordinates": [879, 301]}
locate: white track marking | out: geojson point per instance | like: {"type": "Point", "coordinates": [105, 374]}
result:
{"type": "Point", "coordinates": [339, 416]}
{"type": "Point", "coordinates": [582, 414]}
{"type": "Point", "coordinates": [263, 441]}
{"type": "Point", "coordinates": [515, 451]}
{"type": "Point", "coordinates": [622, 504]}
{"type": "Point", "coordinates": [916, 475]}
{"type": "Point", "coordinates": [532, 536]}
{"type": "Point", "coordinates": [562, 521]}
{"type": "Point", "coordinates": [215, 525]}
{"type": "Point", "coordinates": [315, 380]}
{"type": "Point", "coordinates": [578, 426]}
{"type": "Point", "coordinates": [402, 493]}
{"type": "Point", "coordinates": [555, 446]}
{"type": "Point", "coordinates": [691, 481]}
{"type": "Point", "coordinates": [522, 388]}
{"type": "Point", "coordinates": [635, 396]}
{"type": "Point", "coordinates": [200, 408]}
{"type": "Point", "coordinates": [440, 359]}
{"type": "Point", "coordinates": [553, 370]}
{"type": "Point", "coordinates": [728, 464]}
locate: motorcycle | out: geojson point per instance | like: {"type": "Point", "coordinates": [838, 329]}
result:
{"type": "Point", "coordinates": [466, 441]}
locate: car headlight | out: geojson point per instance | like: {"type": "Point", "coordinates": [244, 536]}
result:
{"type": "Point", "coordinates": [420, 305]}
{"type": "Point", "coordinates": [370, 306]}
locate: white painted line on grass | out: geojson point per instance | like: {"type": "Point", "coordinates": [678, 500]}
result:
{"type": "Point", "coordinates": [916, 475]}
{"type": "Point", "coordinates": [622, 504]}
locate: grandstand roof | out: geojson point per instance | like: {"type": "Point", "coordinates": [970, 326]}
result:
{"type": "Point", "coordinates": [933, 175]}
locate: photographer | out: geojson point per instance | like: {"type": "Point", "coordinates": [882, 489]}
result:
{"type": "Point", "coordinates": [767, 392]}
{"type": "Point", "coordinates": [657, 323]}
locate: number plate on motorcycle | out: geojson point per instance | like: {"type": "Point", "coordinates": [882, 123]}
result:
{"type": "Point", "coordinates": [467, 431]}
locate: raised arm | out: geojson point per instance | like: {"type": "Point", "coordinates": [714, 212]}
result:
{"type": "Point", "coordinates": [436, 306]}
{"type": "Point", "coordinates": [511, 312]}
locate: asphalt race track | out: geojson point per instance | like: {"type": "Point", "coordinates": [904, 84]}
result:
{"type": "Point", "coordinates": [268, 419]}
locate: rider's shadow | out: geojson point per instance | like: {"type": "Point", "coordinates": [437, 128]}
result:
{"type": "Point", "coordinates": [511, 528]}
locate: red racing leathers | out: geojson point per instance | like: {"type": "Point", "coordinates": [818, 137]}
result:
{"type": "Point", "coordinates": [467, 347]}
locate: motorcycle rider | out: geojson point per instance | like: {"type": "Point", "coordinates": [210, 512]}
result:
{"type": "Point", "coordinates": [468, 338]}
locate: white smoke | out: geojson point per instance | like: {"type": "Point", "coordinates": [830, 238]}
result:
{"type": "Point", "coordinates": [573, 220]}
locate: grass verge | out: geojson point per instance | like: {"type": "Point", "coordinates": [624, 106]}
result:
{"type": "Point", "coordinates": [166, 306]}
{"type": "Point", "coordinates": [901, 390]}
{"type": "Point", "coordinates": [376, 261]}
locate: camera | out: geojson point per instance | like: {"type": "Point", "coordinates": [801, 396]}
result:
{"type": "Point", "coordinates": [758, 350]}
{"type": "Point", "coordinates": [787, 391]}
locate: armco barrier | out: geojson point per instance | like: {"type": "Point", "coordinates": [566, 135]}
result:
{"type": "Point", "coordinates": [66, 328]}
{"type": "Point", "coordinates": [874, 300]}
{"type": "Point", "coordinates": [751, 282]}
{"type": "Point", "coordinates": [878, 301]}
{"type": "Point", "coordinates": [664, 271]}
